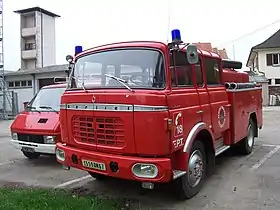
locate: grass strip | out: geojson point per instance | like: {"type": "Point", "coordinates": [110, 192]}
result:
{"type": "Point", "coordinates": [42, 199]}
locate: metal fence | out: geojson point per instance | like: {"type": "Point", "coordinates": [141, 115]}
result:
{"type": "Point", "coordinates": [8, 102]}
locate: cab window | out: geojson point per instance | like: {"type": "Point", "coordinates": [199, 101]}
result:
{"type": "Point", "coordinates": [212, 71]}
{"type": "Point", "coordinates": [181, 70]}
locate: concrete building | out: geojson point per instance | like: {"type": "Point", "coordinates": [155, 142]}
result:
{"type": "Point", "coordinates": [265, 58]}
{"type": "Point", "coordinates": [37, 42]}
{"type": "Point", "coordinates": [26, 83]}
{"type": "Point", "coordinates": [38, 59]}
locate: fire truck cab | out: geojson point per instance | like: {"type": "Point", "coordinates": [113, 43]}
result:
{"type": "Point", "coordinates": [36, 129]}
{"type": "Point", "coordinates": [155, 112]}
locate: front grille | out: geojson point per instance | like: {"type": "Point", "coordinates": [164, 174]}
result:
{"type": "Point", "coordinates": [31, 138]}
{"type": "Point", "coordinates": [107, 131]}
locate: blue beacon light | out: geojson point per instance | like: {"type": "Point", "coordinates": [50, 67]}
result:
{"type": "Point", "coordinates": [78, 49]}
{"type": "Point", "coordinates": [176, 36]}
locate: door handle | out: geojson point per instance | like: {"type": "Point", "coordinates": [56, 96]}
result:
{"type": "Point", "coordinates": [199, 112]}
{"type": "Point", "coordinates": [228, 105]}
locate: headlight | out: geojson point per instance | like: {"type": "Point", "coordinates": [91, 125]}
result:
{"type": "Point", "coordinates": [60, 154]}
{"type": "Point", "coordinates": [14, 136]}
{"type": "Point", "coordinates": [145, 170]}
{"type": "Point", "coordinates": [49, 139]}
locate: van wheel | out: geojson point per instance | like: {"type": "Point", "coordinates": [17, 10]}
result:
{"type": "Point", "coordinates": [98, 177]}
{"type": "Point", "coordinates": [31, 155]}
{"type": "Point", "coordinates": [245, 146]}
{"type": "Point", "coordinates": [191, 183]}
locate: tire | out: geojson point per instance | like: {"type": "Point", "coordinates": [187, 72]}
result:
{"type": "Point", "coordinates": [186, 185]}
{"type": "Point", "coordinates": [246, 145]}
{"type": "Point", "coordinates": [98, 177]}
{"type": "Point", "coordinates": [31, 155]}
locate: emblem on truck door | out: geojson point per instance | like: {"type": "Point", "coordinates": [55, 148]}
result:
{"type": "Point", "coordinates": [178, 130]}
{"type": "Point", "coordinates": [178, 124]}
{"type": "Point", "coordinates": [221, 116]}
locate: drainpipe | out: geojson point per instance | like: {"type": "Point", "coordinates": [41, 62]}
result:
{"type": "Point", "coordinates": [42, 56]}
{"type": "Point", "coordinates": [33, 84]}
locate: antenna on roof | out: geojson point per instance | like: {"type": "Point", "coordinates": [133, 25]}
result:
{"type": "Point", "coordinates": [169, 18]}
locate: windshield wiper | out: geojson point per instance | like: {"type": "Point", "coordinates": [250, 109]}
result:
{"type": "Point", "coordinates": [122, 81]}
{"type": "Point", "coordinates": [33, 108]}
{"type": "Point", "coordinates": [48, 107]}
{"type": "Point", "coordinates": [78, 80]}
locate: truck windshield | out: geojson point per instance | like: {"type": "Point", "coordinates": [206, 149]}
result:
{"type": "Point", "coordinates": [47, 99]}
{"type": "Point", "coordinates": [120, 68]}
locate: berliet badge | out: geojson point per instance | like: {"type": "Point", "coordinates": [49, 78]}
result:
{"type": "Point", "coordinates": [93, 99]}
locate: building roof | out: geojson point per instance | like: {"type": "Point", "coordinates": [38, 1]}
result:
{"type": "Point", "coordinates": [6, 72]}
{"type": "Point", "coordinates": [208, 47]}
{"type": "Point", "coordinates": [204, 46]}
{"type": "Point", "coordinates": [272, 42]}
{"type": "Point", "coordinates": [36, 9]}
{"type": "Point", "coordinates": [47, 69]}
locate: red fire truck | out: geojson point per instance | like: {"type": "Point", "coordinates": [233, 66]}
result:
{"type": "Point", "coordinates": [155, 112]}
{"type": "Point", "coordinates": [36, 129]}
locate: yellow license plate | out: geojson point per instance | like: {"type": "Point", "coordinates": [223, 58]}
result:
{"type": "Point", "coordinates": [94, 165]}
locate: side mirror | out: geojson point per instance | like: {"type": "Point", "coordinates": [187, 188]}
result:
{"type": "Point", "coordinates": [25, 104]}
{"type": "Point", "coordinates": [69, 58]}
{"type": "Point", "coordinates": [192, 55]}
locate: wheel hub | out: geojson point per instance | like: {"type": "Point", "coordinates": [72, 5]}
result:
{"type": "Point", "coordinates": [195, 169]}
{"type": "Point", "coordinates": [250, 136]}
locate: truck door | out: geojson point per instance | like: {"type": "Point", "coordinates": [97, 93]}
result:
{"type": "Point", "coordinates": [218, 97]}
{"type": "Point", "coordinates": [204, 100]}
{"type": "Point", "coordinates": [183, 101]}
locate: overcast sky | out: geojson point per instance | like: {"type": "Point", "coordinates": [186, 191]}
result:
{"type": "Point", "coordinates": [89, 23]}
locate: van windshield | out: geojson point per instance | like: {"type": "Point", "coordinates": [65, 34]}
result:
{"type": "Point", "coordinates": [47, 99]}
{"type": "Point", "coordinates": [120, 68]}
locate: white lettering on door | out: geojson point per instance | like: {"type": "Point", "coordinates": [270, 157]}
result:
{"type": "Point", "coordinates": [178, 143]}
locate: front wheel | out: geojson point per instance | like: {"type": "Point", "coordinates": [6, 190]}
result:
{"type": "Point", "coordinates": [191, 183]}
{"type": "Point", "coordinates": [31, 155]}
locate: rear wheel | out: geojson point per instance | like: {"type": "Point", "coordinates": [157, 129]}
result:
{"type": "Point", "coordinates": [31, 155]}
{"type": "Point", "coordinates": [99, 177]}
{"type": "Point", "coordinates": [245, 146]}
{"type": "Point", "coordinates": [191, 183]}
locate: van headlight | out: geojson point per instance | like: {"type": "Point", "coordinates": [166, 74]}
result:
{"type": "Point", "coordinates": [145, 170]}
{"type": "Point", "coordinates": [60, 154]}
{"type": "Point", "coordinates": [14, 136]}
{"type": "Point", "coordinates": [49, 139]}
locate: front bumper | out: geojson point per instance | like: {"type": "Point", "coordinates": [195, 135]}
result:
{"type": "Point", "coordinates": [74, 157]}
{"type": "Point", "coordinates": [39, 148]}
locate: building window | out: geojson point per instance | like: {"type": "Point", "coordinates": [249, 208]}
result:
{"type": "Point", "coordinates": [23, 83]}
{"type": "Point", "coordinates": [277, 81]}
{"type": "Point", "coordinates": [20, 84]}
{"type": "Point", "coordinates": [29, 83]}
{"type": "Point", "coordinates": [269, 81]}
{"type": "Point", "coordinates": [17, 83]}
{"type": "Point", "coordinates": [30, 46]}
{"type": "Point", "coordinates": [11, 84]}
{"type": "Point", "coordinates": [272, 59]}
